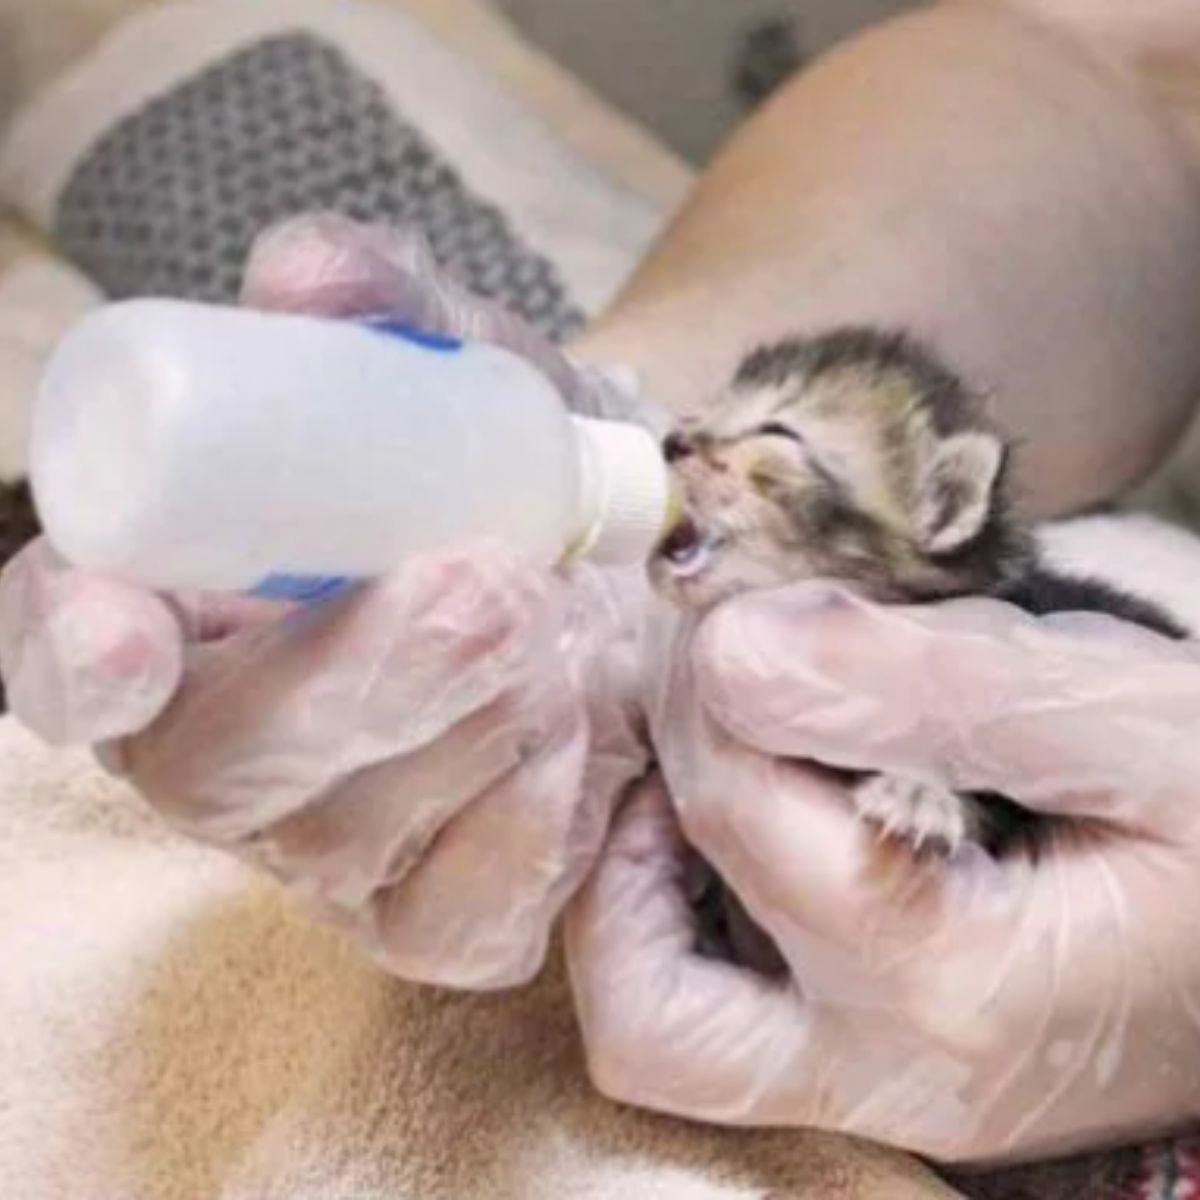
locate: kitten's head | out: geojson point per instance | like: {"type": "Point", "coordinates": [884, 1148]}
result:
{"type": "Point", "coordinates": [853, 457]}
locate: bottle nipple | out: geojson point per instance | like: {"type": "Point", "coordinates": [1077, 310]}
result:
{"type": "Point", "coordinates": [628, 498]}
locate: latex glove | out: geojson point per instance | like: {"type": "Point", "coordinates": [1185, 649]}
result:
{"type": "Point", "coordinates": [428, 762]}
{"type": "Point", "coordinates": [966, 1010]}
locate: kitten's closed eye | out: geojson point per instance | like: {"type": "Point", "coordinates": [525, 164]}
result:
{"type": "Point", "coordinates": [779, 430]}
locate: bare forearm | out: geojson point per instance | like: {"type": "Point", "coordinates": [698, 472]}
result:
{"type": "Point", "coordinates": [981, 181]}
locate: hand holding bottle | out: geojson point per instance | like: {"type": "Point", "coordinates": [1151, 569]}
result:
{"type": "Point", "coordinates": [428, 761]}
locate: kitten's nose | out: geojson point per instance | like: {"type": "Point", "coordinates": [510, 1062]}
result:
{"type": "Point", "coordinates": [676, 446]}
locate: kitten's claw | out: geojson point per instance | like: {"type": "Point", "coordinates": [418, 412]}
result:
{"type": "Point", "coordinates": [922, 814]}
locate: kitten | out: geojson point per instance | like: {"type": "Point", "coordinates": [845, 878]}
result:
{"type": "Point", "coordinates": [858, 457]}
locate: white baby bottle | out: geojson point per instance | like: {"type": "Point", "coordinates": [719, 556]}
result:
{"type": "Point", "coordinates": [185, 445]}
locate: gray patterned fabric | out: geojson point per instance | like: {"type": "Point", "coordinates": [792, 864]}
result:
{"type": "Point", "coordinates": [169, 201]}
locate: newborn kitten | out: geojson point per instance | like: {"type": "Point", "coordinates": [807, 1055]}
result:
{"type": "Point", "coordinates": [857, 457]}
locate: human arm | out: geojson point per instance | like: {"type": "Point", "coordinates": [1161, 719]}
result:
{"type": "Point", "coordinates": [1011, 191]}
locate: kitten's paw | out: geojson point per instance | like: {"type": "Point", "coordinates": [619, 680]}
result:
{"type": "Point", "coordinates": [923, 814]}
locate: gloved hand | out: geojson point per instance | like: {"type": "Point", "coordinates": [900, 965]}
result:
{"type": "Point", "coordinates": [970, 1009]}
{"type": "Point", "coordinates": [429, 761]}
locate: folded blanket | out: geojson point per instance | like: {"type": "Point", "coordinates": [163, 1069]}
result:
{"type": "Point", "coordinates": [155, 158]}
{"type": "Point", "coordinates": [171, 1029]}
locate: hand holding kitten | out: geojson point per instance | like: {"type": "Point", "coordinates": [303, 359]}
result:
{"type": "Point", "coordinates": [969, 1009]}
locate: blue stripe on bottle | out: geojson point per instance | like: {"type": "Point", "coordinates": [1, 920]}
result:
{"type": "Point", "coordinates": [306, 588]}
{"type": "Point", "coordinates": [409, 333]}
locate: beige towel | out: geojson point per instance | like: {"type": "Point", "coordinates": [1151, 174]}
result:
{"type": "Point", "coordinates": [172, 1029]}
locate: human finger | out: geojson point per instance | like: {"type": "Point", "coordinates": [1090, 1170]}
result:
{"type": "Point", "coordinates": [1078, 715]}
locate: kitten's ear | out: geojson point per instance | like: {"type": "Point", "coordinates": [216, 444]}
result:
{"type": "Point", "coordinates": [958, 490]}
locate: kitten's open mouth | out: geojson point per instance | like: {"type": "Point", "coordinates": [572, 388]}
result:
{"type": "Point", "coordinates": [688, 549]}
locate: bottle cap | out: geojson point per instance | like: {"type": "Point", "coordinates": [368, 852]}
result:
{"type": "Point", "coordinates": [628, 500]}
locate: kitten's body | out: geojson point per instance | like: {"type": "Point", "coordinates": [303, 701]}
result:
{"type": "Point", "coordinates": [857, 457]}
